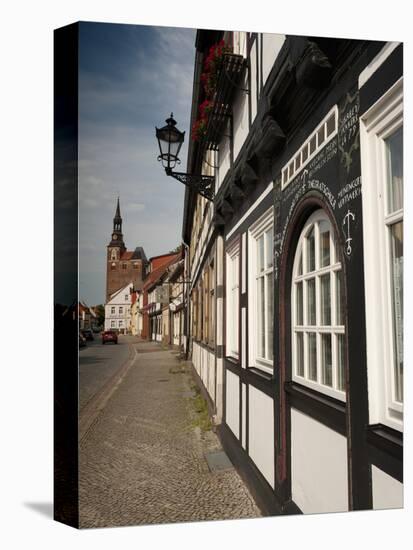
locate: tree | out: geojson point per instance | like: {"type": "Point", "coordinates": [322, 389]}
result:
{"type": "Point", "coordinates": [100, 313]}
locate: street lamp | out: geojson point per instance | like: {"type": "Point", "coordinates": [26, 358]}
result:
{"type": "Point", "coordinates": [170, 141]}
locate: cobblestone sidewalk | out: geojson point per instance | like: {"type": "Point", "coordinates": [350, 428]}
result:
{"type": "Point", "coordinates": [143, 460]}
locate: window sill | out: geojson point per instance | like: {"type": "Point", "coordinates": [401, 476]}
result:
{"type": "Point", "coordinates": [261, 373]}
{"type": "Point", "coordinates": [387, 439]}
{"type": "Point", "coordinates": [266, 367]}
{"type": "Point", "coordinates": [233, 360]}
{"type": "Point", "coordinates": [323, 408]}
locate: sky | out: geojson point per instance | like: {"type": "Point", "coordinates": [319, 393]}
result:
{"type": "Point", "coordinates": [131, 78]}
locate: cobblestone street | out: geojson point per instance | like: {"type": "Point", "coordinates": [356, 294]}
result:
{"type": "Point", "coordinates": [143, 461]}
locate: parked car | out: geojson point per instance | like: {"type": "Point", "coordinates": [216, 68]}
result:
{"type": "Point", "coordinates": [109, 336]}
{"type": "Point", "coordinates": [88, 334]}
{"type": "Point", "coordinates": [82, 340]}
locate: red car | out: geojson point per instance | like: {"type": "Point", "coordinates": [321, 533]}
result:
{"type": "Point", "coordinates": [109, 336]}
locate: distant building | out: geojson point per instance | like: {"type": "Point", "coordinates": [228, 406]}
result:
{"type": "Point", "coordinates": [123, 266]}
{"type": "Point", "coordinates": [118, 310]}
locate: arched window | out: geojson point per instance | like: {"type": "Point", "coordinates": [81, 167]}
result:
{"type": "Point", "coordinates": [317, 317]}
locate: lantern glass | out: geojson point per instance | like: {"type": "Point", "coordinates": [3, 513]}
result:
{"type": "Point", "coordinates": [170, 141]}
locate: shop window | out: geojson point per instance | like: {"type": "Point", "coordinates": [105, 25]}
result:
{"type": "Point", "coordinates": [317, 318]}
{"type": "Point", "coordinates": [382, 172]}
{"type": "Point", "coordinates": [261, 302]}
{"type": "Point", "coordinates": [232, 309]}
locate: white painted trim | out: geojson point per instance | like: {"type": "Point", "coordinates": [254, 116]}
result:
{"type": "Point", "coordinates": [243, 337]}
{"type": "Point", "coordinates": [244, 415]}
{"type": "Point", "coordinates": [333, 329]}
{"type": "Point", "coordinates": [376, 124]}
{"type": "Point", "coordinates": [376, 62]}
{"type": "Point", "coordinates": [232, 310]}
{"type": "Point", "coordinates": [265, 222]}
{"type": "Point", "coordinates": [244, 262]}
{"type": "Point", "coordinates": [251, 209]}
{"type": "Point", "coordinates": [286, 176]}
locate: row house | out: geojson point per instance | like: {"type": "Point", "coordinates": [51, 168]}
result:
{"type": "Point", "coordinates": [135, 326]}
{"type": "Point", "coordinates": [87, 317]}
{"type": "Point", "coordinates": [155, 300]}
{"type": "Point", "coordinates": [176, 305]}
{"type": "Point", "coordinates": [295, 267]}
{"type": "Point", "coordinates": [118, 310]}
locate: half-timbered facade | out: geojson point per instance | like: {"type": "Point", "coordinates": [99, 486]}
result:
{"type": "Point", "coordinates": [295, 321]}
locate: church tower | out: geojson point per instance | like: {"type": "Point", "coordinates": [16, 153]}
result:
{"type": "Point", "coordinates": [117, 243]}
{"type": "Point", "coordinates": [123, 267]}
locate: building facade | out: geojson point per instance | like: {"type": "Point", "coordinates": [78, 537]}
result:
{"type": "Point", "coordinates": [122, 265]}
{"type": "Point", "coordinates": [295, 318]}
{"type": "Point", "coordinates": [118, 310]}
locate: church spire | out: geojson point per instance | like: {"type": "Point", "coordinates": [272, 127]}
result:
{"type": "Point", "coordinates": [117, 220]}
{"type": "Point", "coordinates": [117, 215]}
{"type": "Point", "coordinates": [117, 237]}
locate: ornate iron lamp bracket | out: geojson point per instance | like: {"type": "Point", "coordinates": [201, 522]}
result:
{"type": "Point", "coordinates": [204, 185]}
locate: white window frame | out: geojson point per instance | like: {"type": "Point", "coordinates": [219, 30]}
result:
{"type": "Point", "coordinates": [112, 324]}
{"type": "Point", "coordinates": [333, 328]}
{"type": "Point", "coordinates": [112, 310]}
{"type": "Point", "coordinates": [262, 225]}
{"type": "Point", "coordinates": [378, 123]}
{"type": "Point", "coordinates": [120, 310]}
{"type": "Point", "coordinates": [233, 301]}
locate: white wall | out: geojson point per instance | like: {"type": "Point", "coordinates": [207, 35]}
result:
{"type": "Point", "coordinates": [240, 118]}
{"type": "Point", "coordinates": [387, 492]}
{"type": "Point", "coordinates": [253, 80]}
{"type": "Point", "coordinates": [232, 403]}
{"type": "Point", "coordinates": [318, 466]}
{"type": "Point", "coordinates": [204, 363]}
{"type": "Point", "coordinates": [224, 158]}
{"type": "Point", "coordinates": [261, 432]}
{"type": "Point", "coordinates": [271, 46]}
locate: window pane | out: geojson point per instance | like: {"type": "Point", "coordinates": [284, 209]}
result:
{"type": "Point", "coordinates": [339, 309]}
{"type": "Point", "coordinates": [312, 144]}
{"type": "Point", "coordinates": [260, 250]}
{"type": "Point", "coordinates": [311, 251]}
{"type": "Point", "coordinates": [325, 299]}
{"type": "Point", "coordinates": [261, 318]}
{"type": "Point", "coordinates": [331, 124]}
{"type": "Point", "coordinates": [326, 366]}
{"type": "Point", "coordinates": [270, 310]}
{"type": "Point", "coordinates": [394, 146]}
{"type": "Point", "coordinates": [299, 304]}
{"type": "Point", "coordinates": [300, 265]}
{"type": "Point", "coordinates": [312, 356]}
{"type": "Point", "coordinates": [269, 239]}
{"type": "Point", "coordinates": [397, 276]}
{"type": "Point", "coordinates": [305, 153]}
{"type": "Point", "coordinates": [320, 135]}
{"type": "Point", "coordinates": [341, 381]}
{"type": "Point", "coordinates": [300, 354]}
{"type": "Point", "coordinates": [311, 314]}
{"type": "Point", "coordinates": [324, 227]}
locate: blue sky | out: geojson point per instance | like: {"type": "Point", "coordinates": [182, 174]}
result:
{"type": "Point", "coordinates": [130, 78]}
